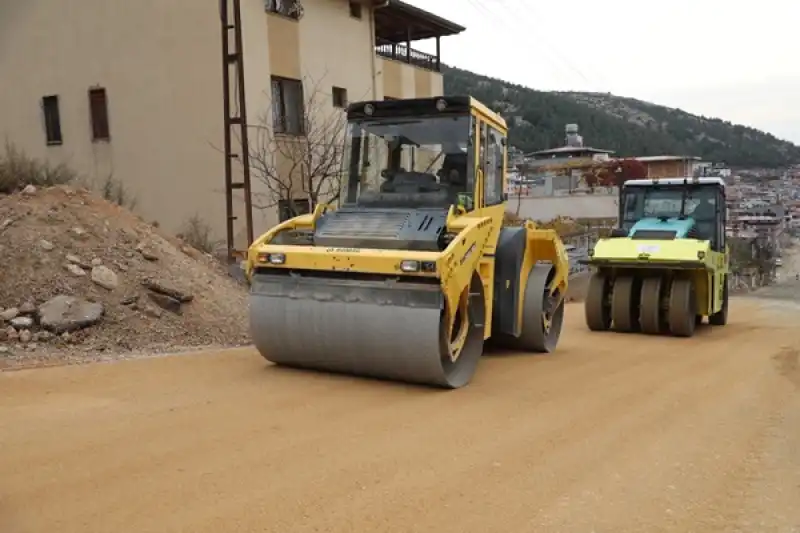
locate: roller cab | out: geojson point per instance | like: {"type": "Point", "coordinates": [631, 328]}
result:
{"type": "Point", "coordinates": [398, 281]}
{"type": "Point", "coordinates": [665, 268]}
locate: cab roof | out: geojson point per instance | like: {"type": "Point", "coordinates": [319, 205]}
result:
{"type": "Point", "coordinates": [649, 182]}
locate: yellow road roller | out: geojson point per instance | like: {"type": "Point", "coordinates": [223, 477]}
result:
{"type": "Point", "coordinates": [665, 268]}
{"type": "Point", "coordinates": [412, 271]}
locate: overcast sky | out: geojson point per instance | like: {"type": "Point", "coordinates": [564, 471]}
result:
{"type": "Point", "coordinates": [739, 61]}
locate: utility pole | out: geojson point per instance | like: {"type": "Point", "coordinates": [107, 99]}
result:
{"type": "Point", "coordinates": [235, 110]}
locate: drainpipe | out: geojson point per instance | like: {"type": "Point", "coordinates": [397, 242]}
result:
{"type": "Point", "coordinates": [373, 58]}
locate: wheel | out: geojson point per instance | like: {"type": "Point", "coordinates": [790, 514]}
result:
{"type": "Point", "coordinates": [625, 303]}
{"type": "Point", "coordinates": [682, 307]}
{"type": "Point", "coordinates": [542, 314]}
{"type": "Point", "coordinates": [650, 317]}
{"type": "Point", "coordinates": [597, 307]}
{"type": "Point", "coordinates": [720, 318]}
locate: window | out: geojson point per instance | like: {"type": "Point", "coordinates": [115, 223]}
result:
{"type": "Point", "coordinates": [339, 97]}
{"type": "Point", "coordinates": [98, 108]}
{"type": "Point", "coordinates": [292, 208]}
{"type": "Point", "coordinates": [287, 106]}
{"type": "Point", "coordinates": [493, 170]}
{"type": "Point", "coordinates": [52, 120]}
{"type": "Point", "coordinates": [355, 10]}
{"type": "Point", "coordinates": [287, 8]}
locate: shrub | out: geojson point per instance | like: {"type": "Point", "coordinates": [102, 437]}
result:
{"type": "Point", "coordinates": [18, 170]}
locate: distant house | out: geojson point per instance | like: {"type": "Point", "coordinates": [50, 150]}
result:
{"type": "Point", "coordinates": [561, 168]}
{"type": "Point", "coordinates": [670, 166]}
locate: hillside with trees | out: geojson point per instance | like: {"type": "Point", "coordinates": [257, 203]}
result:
{"type": "Point", "coordinates": [628, 126]}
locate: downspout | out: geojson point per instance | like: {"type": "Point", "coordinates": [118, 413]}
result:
{"type": "Point", "coordinates": [373, 56]}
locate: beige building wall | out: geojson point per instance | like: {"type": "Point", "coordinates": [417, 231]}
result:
{"type": "Point", "coordinates": [160, 63]}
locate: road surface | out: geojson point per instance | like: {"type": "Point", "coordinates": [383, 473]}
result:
{"type": "Point", "coordinates": [614, 433]}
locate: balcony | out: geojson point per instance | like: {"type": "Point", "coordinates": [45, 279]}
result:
{"type": "Point", "coordinates": [398, 24]}
{"type": "Point", "coordinates": [406, 54]}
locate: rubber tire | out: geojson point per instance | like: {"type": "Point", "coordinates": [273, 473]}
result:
{"type": "Point", "coordinates": [625, 303]}
{"type": "Point", "coordinates": [596, 308]}
{"type": "Point", "coordinates": [720, 318]}
{"type": "Point", "coordinates": [650, 318]}
{"type": "Point", "coordinates": [682, 310]}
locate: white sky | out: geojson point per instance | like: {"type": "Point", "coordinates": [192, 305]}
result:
{"type": "Point", "coordinates": [739, 61]}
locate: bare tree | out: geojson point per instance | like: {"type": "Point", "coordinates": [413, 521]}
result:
{"type": "Point", "coordinates": [296, 148]}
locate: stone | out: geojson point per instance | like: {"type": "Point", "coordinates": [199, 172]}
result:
{"type": "Point", "coordinates": [29, 190]}
{"type": "Point", "coordinates": [149, 255]}
{"type": "Point", "coordinates": [129, 300]}
{"type": "Point", "coordinates": [4, 349]}
{"type": "Point", "coordinates": [64, 313]}
{"type": "Point", "coordinates": [74, 269]}
{"type": "Point", "coordinates": [166, 302]}
{"type": "Point", "coordinates": [22, 322]}
{"type": "Point", "coordinates": [97, 262]}
{"type": "Point", "coordinates": [105, 277]}
{"type": "Point", "coordinates": [9, 314]}
{"type": "Point", "coordinates": [167, 289]}
{"type": "Point", "coordinates": [46, 245]}
{"type": "Point", "coordinates": [25, 336]}
{"type": "Point", "coordinates": [27, 308]}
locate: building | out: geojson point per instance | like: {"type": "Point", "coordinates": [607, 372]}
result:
{"type": "Point", "coordinates": [559, 170]}
{"type": "Point", "coordinates": [670, 166]}
{"type": "Point", "coordinates": [134, 91]}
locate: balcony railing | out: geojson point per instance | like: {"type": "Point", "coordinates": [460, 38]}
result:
{"type": "Point", "coordinates": [406, 54]}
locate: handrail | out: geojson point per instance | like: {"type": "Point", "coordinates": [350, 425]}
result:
{"type": "Point", "coordinates": [406, 54]}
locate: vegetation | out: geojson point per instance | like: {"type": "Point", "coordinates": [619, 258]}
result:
{"type": "Point", "coordinates": [18, 170]}
{"type": "Point", "coordinates": [628, 126]}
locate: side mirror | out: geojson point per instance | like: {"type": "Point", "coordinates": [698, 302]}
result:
{"type": "Point", "coordinates": [618, 232]}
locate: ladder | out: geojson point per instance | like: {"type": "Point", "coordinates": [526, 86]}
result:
{"type": "Point", "coordinates": [235, 117]}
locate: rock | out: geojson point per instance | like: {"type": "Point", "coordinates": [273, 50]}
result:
{"type": "Point", "coordinates": [32, 346]}
{"type": "Point", "coordinates": [9, 314]}
{"type": "Point", "coordinates": [166, 302]}
{"type": "Point", "coordinates": [154, 312]}
{"type": "Point", "coordinates": [130, 255]}
{"type": "Point", "coordinates": [97, 262]}
{"type": "Point", "coordinates": [22, 322]}
{"type": "Point", "coordinates": [105, 277]}
{"type": "Point", "coordinates": [74, 269]}
{"type": "Point", "coordinates": [168, 289]}
{"type": "Point", "coordinates": [122, 267]}
{"type": "Point", "coordinates": [68, 313]}
{"type": "Point", "coordinates": [80, 232]}
{"type": "Point", "coordinates": [149, 255]}
{"type": "Point", "coordinates": [29, 190]}
{"type": "Point", "coordinates": [6, 223]}
{"type": "Point", "coordinates": [46, 245]}
{"type": "Point", "coordinates": [27, 308]}
{"type": "Point", "coordinates": [74, 259]}
{"type": "Point", "coordinates": [3, 334]}
{"type": "Point", "coordinates": [129, 300]}
{"type": "Point", "coordinates": [4, 349]}
{"type": "Point", "coordinates": [25, 336]}
{"type": "Point", "coordinates": [11, 333]}
{"type": "Point", "coordinates": [42, 336]}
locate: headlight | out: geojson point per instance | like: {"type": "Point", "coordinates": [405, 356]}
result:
{"type": "Point", "coordinates": [273, 259]}
{"type": "Point", "coordinates": [409, 265]}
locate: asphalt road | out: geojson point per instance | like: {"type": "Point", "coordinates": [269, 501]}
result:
{"type": "Point", "coordinates": [614, 433]}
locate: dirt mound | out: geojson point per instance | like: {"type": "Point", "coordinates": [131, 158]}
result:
{"type": "Point", "coordinates": [83, 278]}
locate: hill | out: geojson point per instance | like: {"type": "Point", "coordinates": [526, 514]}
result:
{"type": "Point", "coordinates": [625, 125]}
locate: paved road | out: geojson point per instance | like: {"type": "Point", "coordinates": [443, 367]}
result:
{"type": "Point", "coordinates": [615, 433]}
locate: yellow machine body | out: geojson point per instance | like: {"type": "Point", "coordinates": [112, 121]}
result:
{"type": "Point", "coordinates": [414, 270]}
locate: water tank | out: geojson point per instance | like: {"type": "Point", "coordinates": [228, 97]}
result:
{"type": "Point", "coordinates": [573, 139]}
